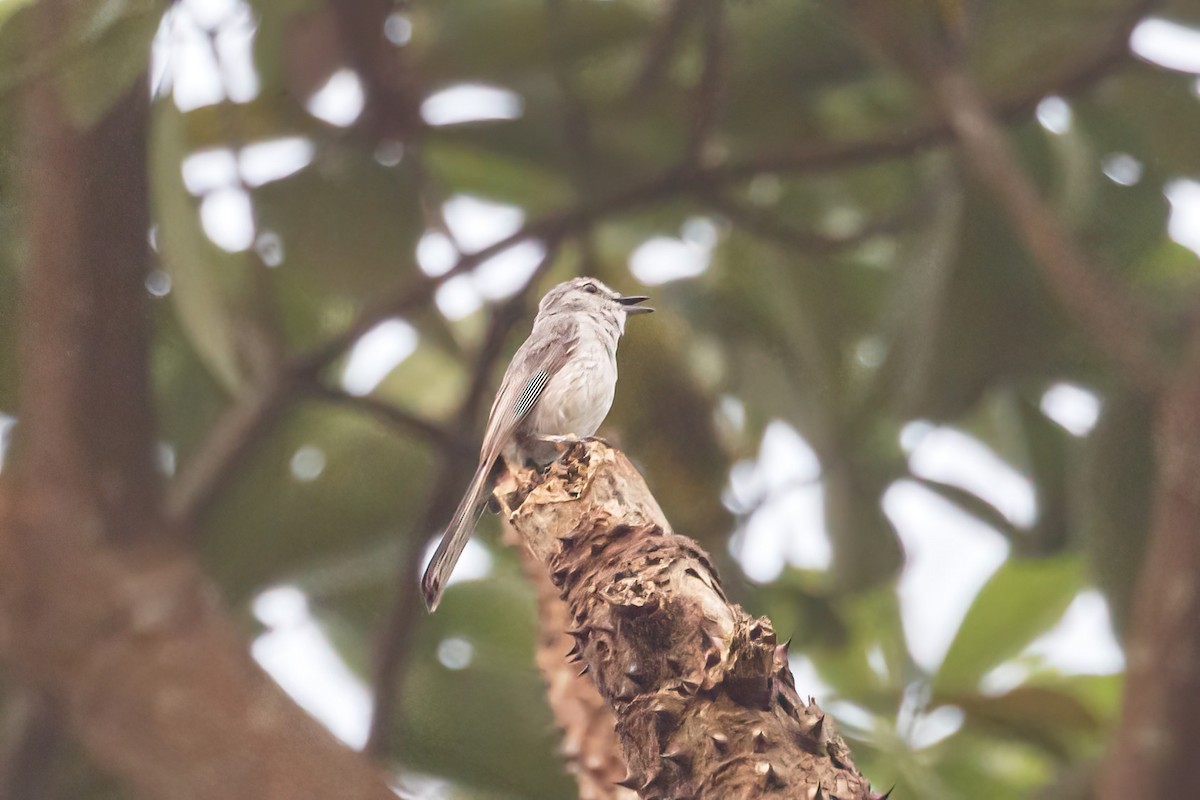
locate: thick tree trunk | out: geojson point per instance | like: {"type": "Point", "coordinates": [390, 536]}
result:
{"type": "Point", "coordinates": [704, 700]}
{"type": "Point", "coordinates": [589, 736]}
{"type": "Point", "coordinates": [1154, 752]}
{"type": "Point", "coordinates": [98, 612]}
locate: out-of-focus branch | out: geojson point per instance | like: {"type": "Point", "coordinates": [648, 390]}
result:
{"type": "Point", "coordinates": [704, 699]}
{"type": "Point", "coordinates": [436, 434]}
{"type": "Point", "coordinates": [1094, 298]}
{"type": "Point", "coordinates": [97, 610]}
{"type": "Point", "coordinates": [707, 96]}
{"type": "Point", "coordinates": [589, 735]}
{"type": "Point", "coordinates": [392, 642]}
{"type": "Point", "coordinates": [1153, 751]}
{"type": "Point", "coordinates": [228, 443]}
{"type": "Point", "coordinates": [662, 46]}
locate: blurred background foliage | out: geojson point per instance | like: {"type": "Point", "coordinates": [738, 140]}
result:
{"type": "Point", "coordinates": [857, 391]}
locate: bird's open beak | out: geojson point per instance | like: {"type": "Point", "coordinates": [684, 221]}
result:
{"type": "Point", "coordinates": [631, 304]}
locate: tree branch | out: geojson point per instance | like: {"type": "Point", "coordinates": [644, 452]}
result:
{"type": "Point", "coordinates": [705, 703]}
{"type": "Point", "coordinates": [707, 94]}
{"type": "Point", "coordinates": [1096, 300]}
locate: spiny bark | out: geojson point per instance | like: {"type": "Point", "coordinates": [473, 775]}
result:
{"type": "Point", "coordinates": [705, 703]}
{"type": "Point", "coordinates": [589, 737]}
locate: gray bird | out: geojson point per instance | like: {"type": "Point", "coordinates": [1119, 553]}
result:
{"type": "Point", "coordinates": [558, 386]}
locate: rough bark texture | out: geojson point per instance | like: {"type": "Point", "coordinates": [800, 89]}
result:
{"type": "Point", "coordinates": [704, 699]}
{"type": "Point", "coordinates": [1154, 752]}
{"type": "Point", "coordinates": [589, 744]}
{"type": "Point", "coordinates": [98, 612]}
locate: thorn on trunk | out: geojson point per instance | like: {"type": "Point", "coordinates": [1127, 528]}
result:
{"type": "Point", "coordinates": [760, 741]}
{"type": "Point", "coordinates": [817, 728]}
{"type": "Point", "coordinates": [720, 742]}
{"type": "Point", "coordinates": [630, 782]}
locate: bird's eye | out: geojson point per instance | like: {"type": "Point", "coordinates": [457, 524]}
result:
{"type": "Point", "coordinates": [590, 288]}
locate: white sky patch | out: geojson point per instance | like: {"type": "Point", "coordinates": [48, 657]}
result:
{"type": "Point", "coordinates": [210, 14]}
{"type": "Point", "coordinates": [298, 655]}
{"type": "Point", "coordinates": [477, 223]}
{"type": "Point", "coordinates": [194, 76]}
{"type": "Point", "coordinates": [201, 71]}
{"type": "Point", "coordinates": [206, 170]}
{"type": "Point", "coordinates": [165, 453]}
{"type": "Point", "coordinates": [436, 254]}
{"type": "Point", "coordinates": [307, 464]}
{"type": "Point", "coordinates": [6, 427]}
{"type": "Point", "coordinates": [1183, 225]}
{"type": "Point", "coordinates": [1082, 643]}
{"type": "Point", "coordinates": [455, 653]}
{"type": "Point", "coordinates": [398, 29]}
{"type": "Point", "coordinates": [1054, 114]}
{"type": "Point", "coordinates": [504, 274]}
{"type": "Point", "coordinates": [274, 159]}
{"type": "Point", "coordinates": [340, 101]}
{"type": "Point", "coordinates": [788, 526]}
{"type": "Point", "coordinates": [1072, 407]}
{"type": "Point", "coordinates": [1122, 169]}
{"type": "Point", "coordinates": [1167, 44]}
{"type": "Point", "coordinates": [235, 53]}
{"type": "Point", "coordinates": [664, 259]}
{"type": "Point", "coordinates": [228, 219]}
{"type": "Point", "coordinates": [160, 54]}
{"type": "Point", "coordinates": [458, 298]}
{"type": "Point", "coordinates": [950, 555]}
{"type": "Point", "coordinates": [950, 456]}
{"type": "Point", "coordinates": [808, 680]}
{"type": "Point", "coordinates": [475, 562]}
{"type": "Point", "coordinates": [377, 353]}
{"type": "Point", "coordinates": [471, 102]}
{"type": "Point", "coordinates": [927, 729]}
{"type": "Point", "coordinates": [158, 283]}
{"type": "Point", "coordinates": [269, 247]}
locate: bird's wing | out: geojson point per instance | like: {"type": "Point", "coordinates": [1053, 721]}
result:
{"type": "Point", "coordinates": [534, 364]}
{"type": "Point", "coordinates": [529, 372]}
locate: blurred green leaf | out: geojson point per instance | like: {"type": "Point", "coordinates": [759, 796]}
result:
{"type": "Point", "coordinates": [110, 46]}
{"type": "Point", "coordinates": [1021, 600]}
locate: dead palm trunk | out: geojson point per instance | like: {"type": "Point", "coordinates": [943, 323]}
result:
{"type": "Point", "coordinates": [704, 701]}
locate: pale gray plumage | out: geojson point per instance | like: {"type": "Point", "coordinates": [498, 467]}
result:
{"type": "Point", "coordinates": [560, 383]}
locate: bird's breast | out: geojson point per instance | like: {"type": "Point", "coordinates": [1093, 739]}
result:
{"type": "Point", "coordinates": [578, 397]}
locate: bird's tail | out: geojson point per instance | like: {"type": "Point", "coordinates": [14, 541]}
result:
{"type": "Point", "coordinates": [461, 526]}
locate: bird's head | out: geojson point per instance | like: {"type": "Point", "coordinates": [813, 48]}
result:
{"type": "Point", "coordinates": [590, 296]}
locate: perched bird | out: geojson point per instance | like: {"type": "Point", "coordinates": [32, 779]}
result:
{"type": "Point", "coordinates": [559, 386]}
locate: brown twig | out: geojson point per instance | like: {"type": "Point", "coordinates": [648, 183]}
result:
{"type": "Point", "coordinates": [662, 47]}
{"type": "Point", "coordinates": [1094, 298]}
{"type": "Point", "coordinates": [775, 229]}
{"type": "Point", "coordinates": [396, 418]}
{"type": "Point", "coordinates": [707, 94]}
{"type": "Point", "coordinates": [230, 440]}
